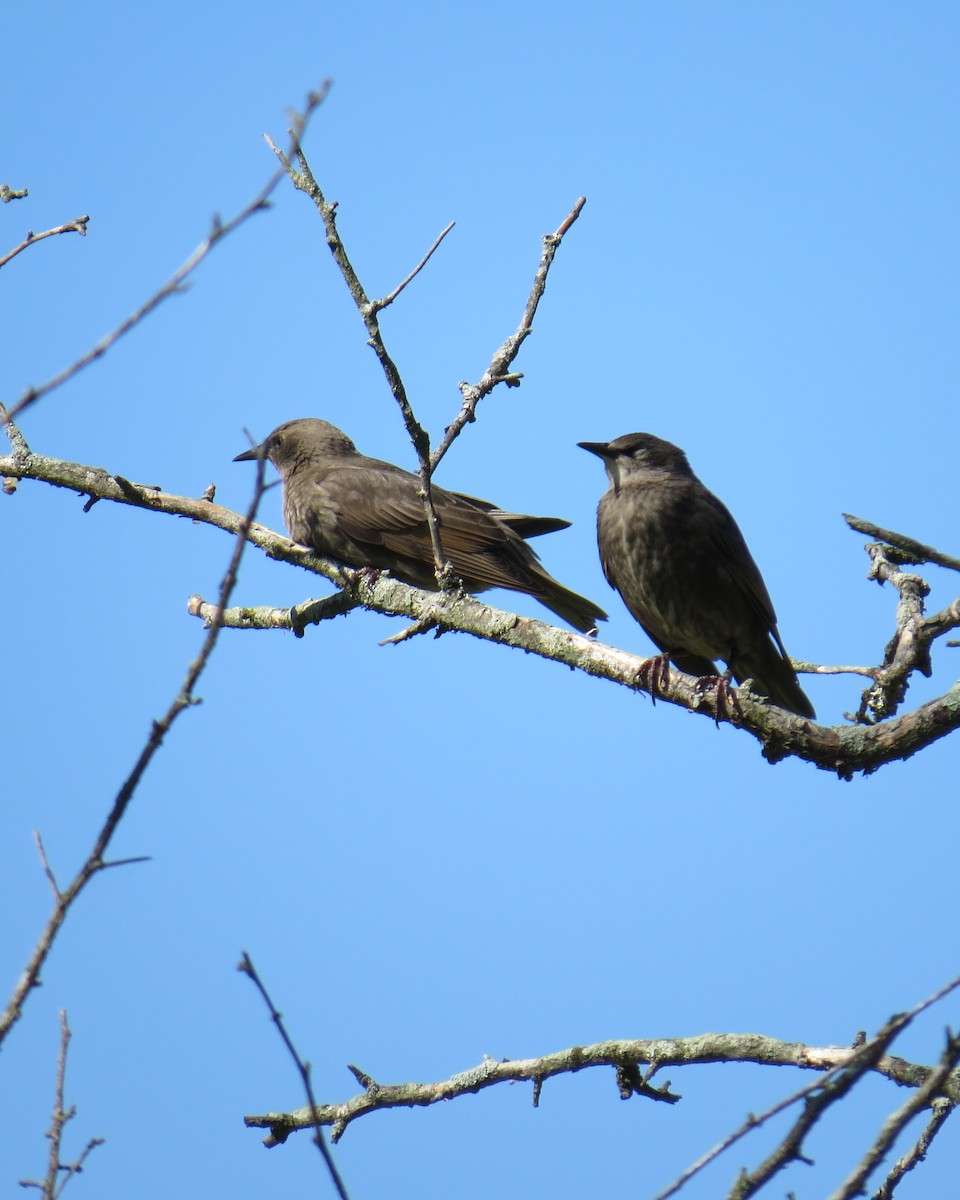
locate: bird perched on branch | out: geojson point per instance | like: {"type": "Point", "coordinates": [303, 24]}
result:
{"type": "Point", "coordinates": [677, 557]}
{"type": "Point", "coordinates": [367, 513]}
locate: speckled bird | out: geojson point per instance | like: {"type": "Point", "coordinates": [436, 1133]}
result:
{"type": "Point", "coordinates": [678, 559]}
{"type": "Point", "coordinates": [367, 513]}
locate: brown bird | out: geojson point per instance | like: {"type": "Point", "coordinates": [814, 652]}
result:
{"type": "Point", "coordinates": [677, 557]}
{"type": "Point", "coordinates": [367, 513]}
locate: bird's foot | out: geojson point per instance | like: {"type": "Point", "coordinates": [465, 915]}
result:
{"type": "Point", "coordinates": [367, 575]}
{"type": "Point", "coordinates": [654, 675]}
{"type": "Point", "coordinates": [726, 701]}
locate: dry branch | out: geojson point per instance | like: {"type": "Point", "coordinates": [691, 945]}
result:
{"type": "Point", "coordinates": [844, 749]}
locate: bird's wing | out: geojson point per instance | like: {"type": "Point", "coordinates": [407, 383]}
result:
{"type": "Point", "coordinates": [481, 548]}
{"type": "Point", "coordinates": [522, 523]}
{"type": "Point", "coordinates": [731, 549]}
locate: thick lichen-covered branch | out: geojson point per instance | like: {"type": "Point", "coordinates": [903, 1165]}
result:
{"type": "Point", "coordinates": [843, 749]}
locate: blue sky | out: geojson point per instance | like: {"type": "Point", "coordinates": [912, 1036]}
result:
{"type": "Point", "coordinates": [444, 849]}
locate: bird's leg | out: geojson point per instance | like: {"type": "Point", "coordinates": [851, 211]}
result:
{"type": "Point", "coordinates": [654, 674]}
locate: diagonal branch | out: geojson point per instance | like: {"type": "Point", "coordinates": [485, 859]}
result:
{"type": "Point", "coordinates": [305, 181]}
{"type": "Point", "coordinates": [918, 1151]}
{"type": "Point", "coordinates": [815, 1106]}
{"type": "Point", "coordinates": [855, 1183]}
{"type": "Point", "coordinates": [79, 225]}
{"type": "Point", "coordinates": [911, 550]}
{"type": "Point", "coordinates": [247, 967]}
{"type": "Point", "coordinates": [378, 305]}
{"type": "Point", "coordinates": [499, 369]}
{"type": "Point", "coordinates": [96, 861]}
{"type": "Point", "coordinates": [176, 282]}
{"type": "Point", "coordinates": [842, 749]}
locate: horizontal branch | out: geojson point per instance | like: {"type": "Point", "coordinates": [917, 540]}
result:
{"type": "Point", "coordinates": [843, 749]}
{"type": "Point", "coordinates": [658, 1053]}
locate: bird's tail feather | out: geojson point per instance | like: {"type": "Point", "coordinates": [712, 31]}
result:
{"type": "Point", "coordinates": [774, 677]}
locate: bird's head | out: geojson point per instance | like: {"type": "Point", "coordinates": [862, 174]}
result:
{"type": "Point", "coordinates": [635, 455]}
{"type": "Point", "coordinates": [299, 443]}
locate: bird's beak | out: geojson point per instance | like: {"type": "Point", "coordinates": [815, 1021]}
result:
{"type": "Point", "coordinates": [250, 455]}
{"type": "Point", "coordinates": [600, 449]}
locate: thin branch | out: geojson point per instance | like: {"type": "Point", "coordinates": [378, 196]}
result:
{"type": "Point", "coordinates": [175, 284]}
{"type": "Point", "coordinates": [76, 226]}
{"type": "Point", "coordinates": [918, 1152]}
{"type": "Point", "coordinates": [499, 368]}
{"type": "Point", "coordinates": [377, 305]}
{"type": "Point", "coordinates": [908, 650]}
{"type": "Point", "coordinates": [657, 1052]}
{"type": "Point", "coordinates": [305, 181]}
{"type": "Point", "coordinates": [8, 193]}
{"type": "Point", "coordinates": [919, 1078]}
{"type": "Point", "coordinates": [815, 1106]}
{"type": "Point", "coordinates": [247, 967]}
{"type": "Point", "coordinates": [809, 668]}
{"type": "Point", "coordinates": [46, 866]}
{"type": "Point", "coordinates": [912, 550]}
{"type": "Point", "coordinates": [296, 619]}
{"type": "Point", "coordinates": [855, 1183]}
{"type": "Point", "coordinates": [60, 1173]}
{"type": "Point", "coordinates": [95, 861]}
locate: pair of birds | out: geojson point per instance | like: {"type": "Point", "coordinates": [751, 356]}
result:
{"type": "Point", "coordinates": [667, 545]}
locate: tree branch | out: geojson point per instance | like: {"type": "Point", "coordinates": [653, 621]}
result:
{"type": "Point", "coordinates": [620, 1054]}
{"type": "Point", "coordinates": [842, 749]}
{"type": "Point", "coordinates": [910, 549]}
{"type": "Point", "coordinates": [175, 284]}
{"type": "Point", "coordinates": [79, 225]}
{"type": "Point", "coordinates": [855, 1183]}
{"type": "Point", "coordinates": [95, 862]}
{"type": "Point", "coordinates": [499, 369]}
{"type": "Point", "coordinates": [305, 181]}
{"type": "Point", "coordinates": [303, 1068]}
{"type": "Point", "coordinates": [60, 1173]}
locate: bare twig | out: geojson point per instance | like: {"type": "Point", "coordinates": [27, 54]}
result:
{"type": "Point", "coordinates": [912, 550]}
{"type": "Point", "coordinates": [175, 284]}
{"type": "Point", "coordinates": [46, 866]}
{"type": "Point", "coordinates": [60, 1173]}
{"type": "Point", "coordinates": [809, 668]}
{"type": "Point", "coordinates": [908, 650]}
{"type": "Point", "coordinates": [247, 967]}
{"type": "Point", "coordinates": [918, 1078]}
{"type": "Point", "coordinates": [305, 181]}
{"type": "Point", "coordinates": [918, 1152]}
{"type": "Point", "coordinates": [296, 619]}
{"type": "Point", "coordinates": [95, 861]}
{"type": "Point", "coordinates": [377, 305]}
{"type": "Point", "coordinates": [8, 193]}
{"type": "Point", "coordinates": [499, 368]}
{"type": "Point", "coordinates": [831, 1090]}
{"type": "Point", "coordinates": [658, 1052]}
{"type": "Point", "coordinates": [76, 226]}
{"type": "Point", "coordinates": [855, 1183]}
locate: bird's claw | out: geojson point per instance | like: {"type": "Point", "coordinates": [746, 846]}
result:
{"type": "Point", "coordinates": [367, 575]}
{"type": "Point", "coordinates": [726, 700]}
{"type": "Point", "coordinates": [654, 675]}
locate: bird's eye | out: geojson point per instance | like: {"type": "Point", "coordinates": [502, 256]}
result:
{"type": "Point", "coordinates": [278, 441]}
